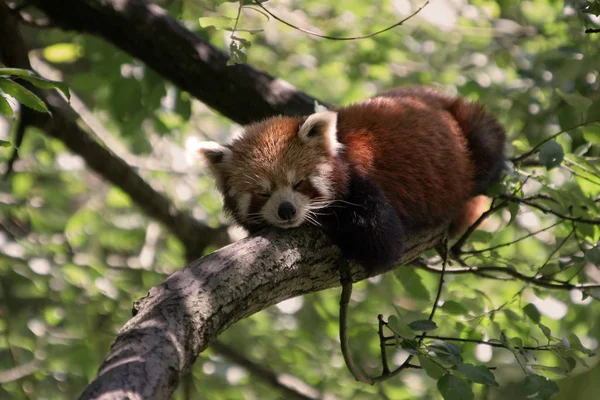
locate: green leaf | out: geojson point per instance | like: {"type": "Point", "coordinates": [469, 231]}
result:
{"type": "Point", "coordinates": [22, 95]}
{"type": "Point", "coordinates": [591, 133]}
{"type": "Point", "coordinates": [477, 374]}
{"type": "Point", "coordinates": [593, 255]}
{"type": "Point", "coordinates": [560, 371]}
{"type": "Point", "coordinates": [447, 352]}
{"type": "Point", "coordinates": [593, 8]}
{"type": "Point", "coordinates": [236, 56]}
{"type": "Point", "coordinates": [551, 154]}
{"type": "Point", "coordinates": [15, 72]}
{"type": "Point", "coordinates": [412, 283]}
{"type": "Point", "coordinates": [546, 331]}
{"type": "Point", "coordinates": [576, 344]}
{"type": "Point", "coordinates": [532, 312]}
{"type": "Point", "coordinates": [44, 83]}
{"type": "Point", "coordinates": [243, 43]}
{"type": "Point", "coordinates": [432, 369]}
{"type": "Point", "coordinates": [411, 346]}
{"type": "Point", "coordinates": [60, 53]}
{"type": "Point", "coordinates": [4, 143]}
{"type": "Point", "coordinates": [454, 308]}
{"type": "Point", "coordinates": [118, 199]}
{"type": "Point", "coordinates": [539, 387]}
{"type": "Point", "coordinates": [453, 388]}
{"type": "Point", "coordinates": [423, 325]}
{"type": "Point", "coordinates": [5, 107]}
{"type": "Point", "coordinates": [575, 100]}
{"type": "Point", "coordinates": [216, 22]}
{"type": "Point", "coordinates": [400, 328]}
{"type": "Point", "coordinates": [571, 363]}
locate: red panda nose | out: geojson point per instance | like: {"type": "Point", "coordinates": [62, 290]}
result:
{"type": "Point", "coordinates": [286, 211]}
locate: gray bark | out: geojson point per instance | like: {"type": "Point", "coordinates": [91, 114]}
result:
{"type": "Point", "coordinates": [181, 317]}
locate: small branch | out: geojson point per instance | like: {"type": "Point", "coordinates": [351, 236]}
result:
{"type": "Point", "coordinates": [336, 37]}
{"type": "Point", "coordinates": [482, 270]}
{"type": "Point", "coordinates": [592, 30]}
{"type": "Point", "coordinates": [472, 252]}
{"type": "Point", "coordinates": [478, 341]}
{"type": "Point", "coordinates": [540, 144]}
{"type": "Point", "coordinates": [384, 362]}
{"type": "Point", "coordinates": [20, 371]}
{"type": "Point", "coordinates": [549, 211]}
{"type": "Point", "coordinates": [457, 247]}
{"type": "Point", "coordinates": [291, 387]}
{"type": "Point", "coordinates": [444, 255]}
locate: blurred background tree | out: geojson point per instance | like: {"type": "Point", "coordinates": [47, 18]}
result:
{"type": "Point", "coordinates": [76, 250]}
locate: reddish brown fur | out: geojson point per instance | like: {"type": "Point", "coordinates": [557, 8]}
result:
{"type": "Point", "coordinates": [414, 150]}
{"type": "Point", "coordinates": [266, 149]}
{"type": "Point", "coordinates": [409, 158]}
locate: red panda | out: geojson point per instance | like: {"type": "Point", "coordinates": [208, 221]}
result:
{"type": "Point", "coordinates": [368, 173]}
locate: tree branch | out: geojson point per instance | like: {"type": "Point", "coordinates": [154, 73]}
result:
{"type": "Point", "coordinates": [144, 30]}
{"type": "Point", "coordinates": [484, 271]}
{"type": "Point", "coordinates": [181, 317]}
{"type": "Point", "coordinates": [62, 125]}
{"type": "Point", "coordinates": [292, 387]}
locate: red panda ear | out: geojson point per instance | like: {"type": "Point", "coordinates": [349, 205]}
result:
{"type": "Point", "coordinates": [215, 157]}
{"type": "Point", "coordinates": [320, 129]}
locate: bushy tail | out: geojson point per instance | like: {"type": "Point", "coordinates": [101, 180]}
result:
{"type": "Point", "coordinates": [485, 138]}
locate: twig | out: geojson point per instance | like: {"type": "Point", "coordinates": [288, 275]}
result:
{"type": "Point", "coordinates": [592, 30]}
{"type": "Point", "coordinates": [456, 248]}
{"type": "Point", "coordinates": [572, 171]}
{"type": "Point", "coordinates": [549, 211]}
{"type": "Point", "coordinates": [20, 371]}
{"type": "Point", "coordinates": [384, 363]}
{"type": "Point", "coordinates": [540, 144]}
{"type": "Point", "coordinates": [484, 342]}
{"type": "Point", "coordinates": [336, 37]}
{"type": "Point", "coordinates": [471, 252]}
{"type": "Point", "coordinates": [441, 283]}
{"type": "Point", "coordinates": [479, 270]}
{"type": "Point", "coordinates": [291, 387]}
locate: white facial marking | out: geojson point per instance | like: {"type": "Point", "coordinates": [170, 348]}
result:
{"type": "Point", "coordinates": [243, 204]}
{"type": "Point", "coordinates": [291, 176]}
{"type": "Point", "coordinates": [265, 184]}
{"type": "Point", "coordinates": [271, 207]}
{"type": "Point", "coordinates": [321, 179]}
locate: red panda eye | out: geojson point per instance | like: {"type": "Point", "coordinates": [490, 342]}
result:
{"type": "Point", "coordinates": [264, 195]}
{"type": "Point", "coordinates": [297, 184]}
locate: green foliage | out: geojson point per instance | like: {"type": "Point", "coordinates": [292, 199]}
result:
{"type": "Point", "coordinates": [8, 87]}
{"type": "Point", "coordinates": [76, 252]}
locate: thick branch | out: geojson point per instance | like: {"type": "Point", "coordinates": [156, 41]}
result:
{"type": "Point", "coordinates": [185, 314]}
{"type": "Point", "coordinates": [144, 30]}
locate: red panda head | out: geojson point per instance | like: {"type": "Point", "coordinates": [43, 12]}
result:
{"type": "Point", "coordinates": [279, 171]}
